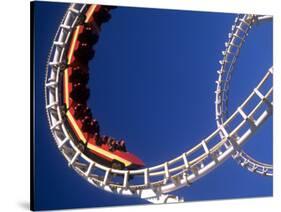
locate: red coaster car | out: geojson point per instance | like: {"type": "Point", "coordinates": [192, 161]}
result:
{"type": "Point", "coordinates": [79, 120]}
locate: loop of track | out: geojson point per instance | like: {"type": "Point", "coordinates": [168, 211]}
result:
{"type": "Point", "coordinates": [237, 37]}
{"type": "Point", "coordinates": [156, 181]}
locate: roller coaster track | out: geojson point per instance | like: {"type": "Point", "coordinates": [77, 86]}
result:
{"type": "Point", "coordinates": [237, 37]}
{"type": "Point", "coordinates": [152, 183]}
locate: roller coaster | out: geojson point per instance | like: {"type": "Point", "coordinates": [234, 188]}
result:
{"type": "Point", "coordinates": [103, 160]}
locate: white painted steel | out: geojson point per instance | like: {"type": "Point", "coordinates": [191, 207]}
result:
{"type": "Point", "coordinates": [237, 36]}
{"type": "Point", "coordinates": [154, 182]}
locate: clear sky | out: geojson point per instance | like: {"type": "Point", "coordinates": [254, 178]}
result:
{"type": "Point", "coordinates": [152, 82]}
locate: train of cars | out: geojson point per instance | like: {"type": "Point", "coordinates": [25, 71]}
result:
{"type": "Point", "coordinates": [83, 127]}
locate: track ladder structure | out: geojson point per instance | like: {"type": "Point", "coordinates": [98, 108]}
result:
{"type": "Point", "coordinates": [155, 183]}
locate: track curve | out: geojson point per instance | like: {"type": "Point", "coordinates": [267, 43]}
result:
{"type": "Point", "coordinates": [237, 37]}
{"type": "Point", "coordinates": [156, 181]}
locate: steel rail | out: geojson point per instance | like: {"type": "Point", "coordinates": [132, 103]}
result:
{"type": "Point", "coordinates": [154, 183]}
{"type": "Point", "coordinates": [237, 36]}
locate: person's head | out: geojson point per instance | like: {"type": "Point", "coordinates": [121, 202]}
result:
{"type": "Point", "coordinates": [86, 121]}
{"type": "Point", "coordinates": [78, 106]}
{"type": "Point", "coordinates": [122, 142]}
{"type": "Point", "coordinates": [86, 108]}
{"type": "Point", "coordinates": [95, 135]}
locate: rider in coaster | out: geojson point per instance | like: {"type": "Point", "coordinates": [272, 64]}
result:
{"type": "Point", "coordinates": [97, 139]}
{"type": "Point", "coordinates": [79, 76]}
{"type": "Point", "coordinates": [80, 93]}
{"type": "Point", "coordinates": [81, 110]}
{"type": "Point", "coordinates": [122, 146]}
{"type": "Point", "coordinates": [112, 145]}
{"type": "Point", "coordinates": [86, 124]}
{"type": "Point", "coordinates": [96, 127]}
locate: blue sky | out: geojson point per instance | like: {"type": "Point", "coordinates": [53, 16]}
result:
{"type": "Point", "coordinates": [152, 83]}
